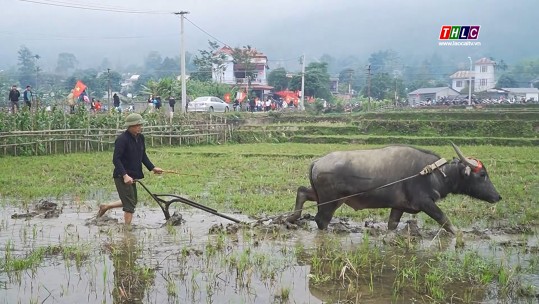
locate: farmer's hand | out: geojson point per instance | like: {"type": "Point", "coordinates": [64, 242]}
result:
{"type": "Point", "coordinates": [128, 179]}
{"type": "Point", "coordinates": [157, 170]}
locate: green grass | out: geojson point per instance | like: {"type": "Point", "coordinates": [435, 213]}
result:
{"type": "Point", "coordinates": [262, 179]}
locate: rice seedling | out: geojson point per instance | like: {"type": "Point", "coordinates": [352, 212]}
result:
{"type": "Point", "coordinates": [261, 180]}
{"type": "Point", "coordinates": [284, 295]}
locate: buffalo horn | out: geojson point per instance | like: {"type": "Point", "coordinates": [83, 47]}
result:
{"type": "Point", "coordinates": [469, 162]}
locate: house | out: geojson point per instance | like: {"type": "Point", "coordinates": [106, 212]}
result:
{"type": "Point", "coordinates": [237, 74]}
{"type": "Point", "coordinates": [528, 94]}
{"type": "Point", "coordinates": [482, 76]}
{"type": "Point", "coordinates": [129, 83]}
{"type": "Point", "coordinates": [431, 94]}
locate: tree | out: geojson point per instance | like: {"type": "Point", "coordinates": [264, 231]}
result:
{"type": "Point", "coordinates": [381, 87]}
{"type": "Point", "coordinates": [27, 67]}
{"type": "Point", "coordinates": [328, 59]}
{"type": "Point", "coordinates": [277, 78]}
{"type": "Point", "coordinates": [316, 81]}
{"type": "Point", "coordinates": [105, 64]}
{"type": "Point", "coordinates": [207, 61]}
{"type": "Point", "coordinates": [113, 77]}
{"type": "Point", "coordinates": [346, 80]}
{"type": "Point", "coordinates": [384, 61]}
{"type": "Point", "coordinates": [66, 62]}
{"type": "Point", "coordinates": [96, 82]}
{"type": "Point", "coordinates": [163, 87]}
{"type": "Point", "coordinates": [244, 58]}
{"type": "Point", "coordinates": [153, 61]}
{"type": "Point", "coordinates": [506, 80]}
{"type": "Point", "coordinates": [525, 72]}
{"type": "Point", "coordinates": [204, 88]}
{"type": "Point", "coordinates": [500, 65]}
{"type": "Point", "coordinates": [170, 67]}
{"type": "Point", "coordinates": [138, 86]}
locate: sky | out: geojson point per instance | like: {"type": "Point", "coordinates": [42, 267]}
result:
{"type": "Point", "coordinates": [281, 29]}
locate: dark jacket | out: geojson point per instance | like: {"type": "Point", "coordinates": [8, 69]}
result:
{"type": "Point", "coordinates": [129, 155]}
{"type": "Point", "coordinates": [116, 100]}
{"type": "Point", "coordinates": [14, 95]}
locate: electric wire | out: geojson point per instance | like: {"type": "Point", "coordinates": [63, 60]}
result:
{"type": "Point", "coordinates": [92, 7]}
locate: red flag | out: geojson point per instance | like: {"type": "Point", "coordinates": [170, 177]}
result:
{"type": "Point", "coordinates": [227, 97]}
{"type": "Point", "coordinates": [79, 88]}
{"type": "Point", "coordinates": [241, 96]}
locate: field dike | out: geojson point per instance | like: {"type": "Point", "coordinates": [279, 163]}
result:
{"type": "Point", "coordinates": [472, 127]}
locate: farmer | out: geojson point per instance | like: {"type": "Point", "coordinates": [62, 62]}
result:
{"type": "Point", "coordinates": [14, 95]}
{"type": "Point", "coordinates": [27, 96]}
{"type": "Point", "coordinates": [129, 155]}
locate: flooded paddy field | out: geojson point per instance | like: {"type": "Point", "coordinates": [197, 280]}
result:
{"type": "Point", "coordinates": [76, 258]}
{"type": "Point", "coordinates": [65, 255]}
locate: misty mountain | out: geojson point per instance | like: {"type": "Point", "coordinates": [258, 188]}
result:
{"type": "Point", "coordinates": [283, 30]}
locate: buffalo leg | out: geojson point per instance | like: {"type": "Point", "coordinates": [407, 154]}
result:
{"type": "Point", "coordinates": [327, 205]}
{"type": "Point", "coordinates": [304, 194]}
{"type": "Point", "coordinates": [438, 215]}
{"type": "Point", "coordinates": [394, 219]}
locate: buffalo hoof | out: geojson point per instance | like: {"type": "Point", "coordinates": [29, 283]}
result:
{"type": "Point", "coordinates": [293, 218]}
{"type": "Point", "coordinates": [322, 224]}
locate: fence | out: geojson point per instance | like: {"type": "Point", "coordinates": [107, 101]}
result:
{"type": "Point", "coordinates": [45, 142]}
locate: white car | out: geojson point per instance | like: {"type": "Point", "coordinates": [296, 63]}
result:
{"type": "Point", "coordinates": [207, 104]}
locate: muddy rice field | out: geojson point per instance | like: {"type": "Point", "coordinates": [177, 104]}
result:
{"type": "Point", "coordinates": [53, 249]}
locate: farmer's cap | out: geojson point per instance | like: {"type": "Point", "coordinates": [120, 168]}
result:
{"type": "Point", "coordinates": [133, 119]}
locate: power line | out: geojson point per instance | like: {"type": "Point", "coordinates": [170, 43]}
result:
{"type": "Point", "coordinates": [53, 37]}
{"type": "Point", "coordinates": [205, 32]}
{"type": "Point", "coordinates": [92, 7]}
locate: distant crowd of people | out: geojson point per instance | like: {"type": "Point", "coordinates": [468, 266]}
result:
{"type": "Point", "coordinates": [15, 95]}
{"type": "Point", "coordinates": [154, 103]}
{"type": "Point", "coordinates": [269, 104]}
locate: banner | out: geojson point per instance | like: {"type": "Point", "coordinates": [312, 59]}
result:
{"type": "Point", "coordinates": [79, 88]}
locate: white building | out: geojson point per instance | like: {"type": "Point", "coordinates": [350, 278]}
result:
{"type": "Point", "coordinates": [482, 76]}
{"type": "Point", "coordinates": [431, 94]}
{"type": "Point", "coordinates": [531, 94]}
{"type": "Point", "coordinates": [236, 74]}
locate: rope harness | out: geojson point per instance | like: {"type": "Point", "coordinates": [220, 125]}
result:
{"type": "Point", "coordinates": [427, 170]}
{"type": "Point", "coordinates": [164, 204]}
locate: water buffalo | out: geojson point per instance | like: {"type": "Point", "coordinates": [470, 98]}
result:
{"type": "Point", "coordinates": [389, 178]}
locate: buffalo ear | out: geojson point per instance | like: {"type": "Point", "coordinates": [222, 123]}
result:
{"type": "Point", "coordinates": [464, 170]}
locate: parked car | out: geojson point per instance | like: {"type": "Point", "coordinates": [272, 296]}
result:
{"type": "Point", "coordinates": [208, 104]}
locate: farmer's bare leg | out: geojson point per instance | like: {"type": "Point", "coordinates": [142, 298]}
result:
{"type": "Point", "coordinates": [104, 207]}
{"type": "Point", "coordinates": [128, 217]}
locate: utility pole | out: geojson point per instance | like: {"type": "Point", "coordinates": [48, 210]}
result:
{"type": "Point", "coordinates": [350, 84]}
{"type": "Point", "coordinates": [470, 83]}
{"type": "Point", "coordinates": [302, 99]}
{"type": "Point", "coordinates": [182, 61]}
{"type": "Point", "coordinates": [109, 92]}
{"type": "Point", "coordinates": [395, 91]}
{"type": "Point", "coordinates": [369, 86]}
{"type": "Point", "coordinates": [37, 77]}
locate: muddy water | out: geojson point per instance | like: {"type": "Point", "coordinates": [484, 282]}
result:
{"type": "Point", "coordinates": [146, 264]}
{"type": "Point", "coordinates": [188, 264]}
